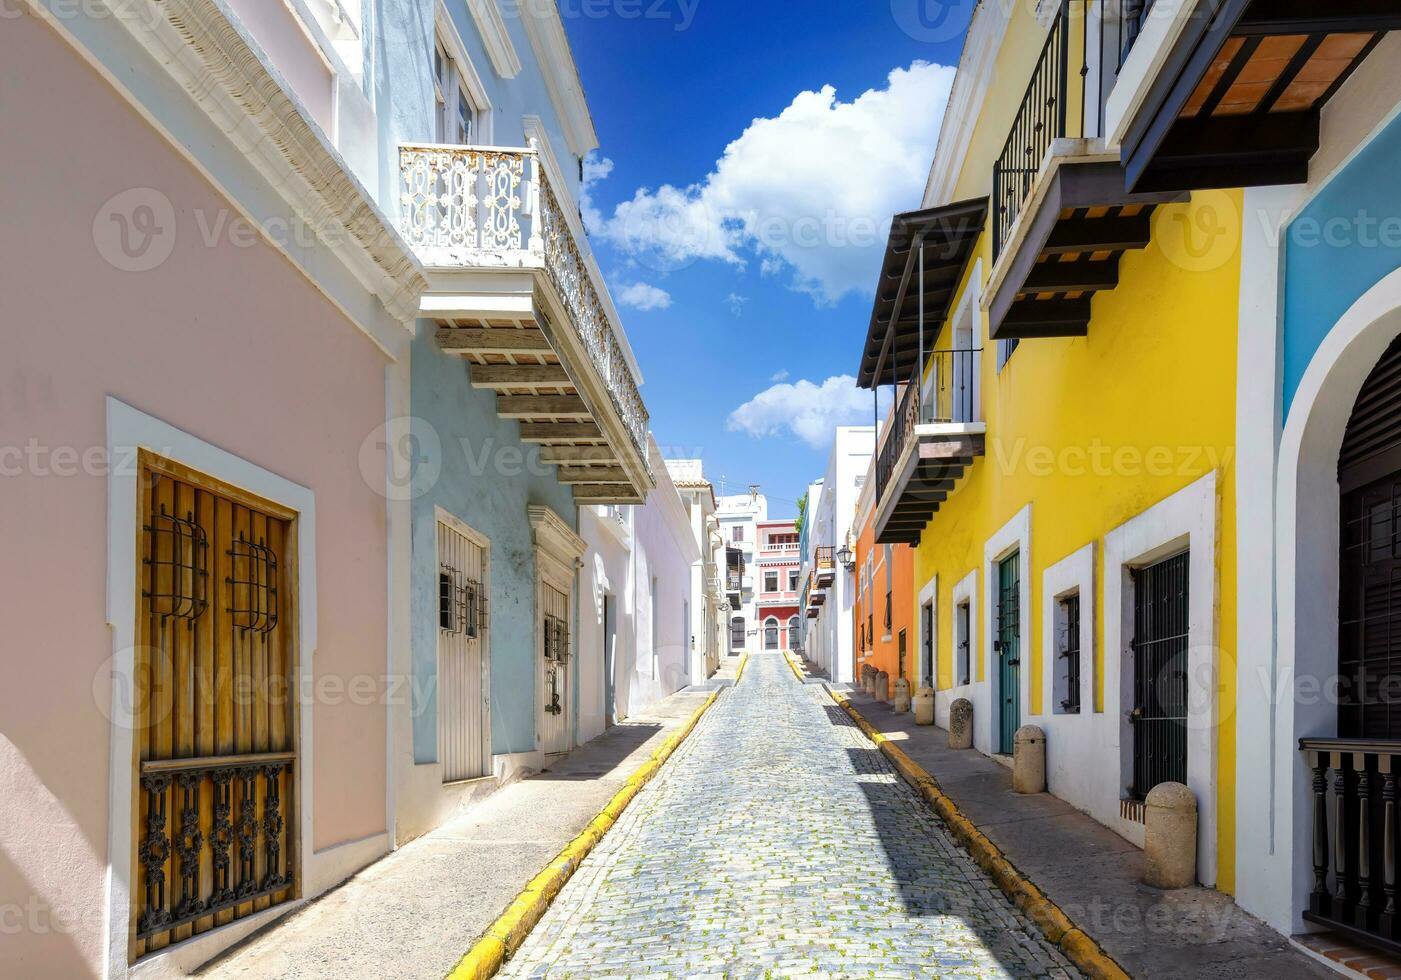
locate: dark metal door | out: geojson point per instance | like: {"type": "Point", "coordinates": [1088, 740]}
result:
{"type": "Point", "coordinates": [926, 664]}
{"type": "Point", "coordinates": [1008, 649]}
{"type": "Point", "coordinates": [1159, 715]}
{"type": "Point", "coordinates": [610, 639]}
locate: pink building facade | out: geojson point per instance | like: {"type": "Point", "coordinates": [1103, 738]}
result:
{"type": "Point", "coordinates": [776, 566]}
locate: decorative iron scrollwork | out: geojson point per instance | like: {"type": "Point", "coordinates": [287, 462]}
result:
{"type": "Point", "coordinates": [253, 586]}
{"type": "Point", "coordinates": [177, 567]}
{"type": "Point", "coordinates": [188, 845]}
{"type": "Point", "coordinates": [272, 829]}
{"type": "Point", "coordinates": [221, 839]}
{"type": "Point", "coordinates": [247, 832]}
{"type": "Point", "coordinates": [153, 852]}
{"type": "Point", "coordinates": [556, 639]}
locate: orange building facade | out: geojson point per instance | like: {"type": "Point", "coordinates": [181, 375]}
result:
{"type": "Point", "coordinates": [884, 610]}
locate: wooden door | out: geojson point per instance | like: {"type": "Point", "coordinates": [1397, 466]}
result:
{"type": "Point", "coordinates": [1008, 650]}
{"type": "Point", "coordinates": [554, 663]}
{"type": "Point", "coordinates": [463, 715]}
{"type": "Point", "coordinates": [215, 746]}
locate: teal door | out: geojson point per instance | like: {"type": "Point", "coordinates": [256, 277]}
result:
{"type": "Point", "coordinates": [1008, 650]}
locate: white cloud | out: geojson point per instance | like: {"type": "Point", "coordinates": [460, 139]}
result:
{"type": "Point", "coordinates": [810, 190]}
{"type": "Point", "coordinates": [641, 296]}
{"type": "Point", "coordinates": [596, 170]}
{"type": "Point", "coordinates": [736, 303]}
{"type": "Point", "coordinates": [779, 376]}
{"type": "Point", "coordinates": [809, 411]}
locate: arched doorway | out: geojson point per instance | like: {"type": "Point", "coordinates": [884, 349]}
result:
{"type": "Point", "coordinates": [771, 633]}
{"type": "Point", "coordinates": [795, 640]}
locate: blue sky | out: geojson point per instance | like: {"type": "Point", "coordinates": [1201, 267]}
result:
{"type": "Point", "coordinates": [738, 208]}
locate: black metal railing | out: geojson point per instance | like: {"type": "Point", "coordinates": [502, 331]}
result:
{"type": "Point", "coordinates": [952, 396]}
{"type": "Point", "coordinates": [1354, 837]}
{"type": "Point", "coordinates": [214, 835]}
{"type": "Point", "coordinates": [1065, 97]}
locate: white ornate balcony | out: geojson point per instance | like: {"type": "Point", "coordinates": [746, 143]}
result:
{"type": "Point", "coordinates": [515, 290]}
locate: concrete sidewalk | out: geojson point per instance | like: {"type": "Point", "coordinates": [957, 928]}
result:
{"type": "Point", "coordinates": [1094, 875]}
{"type": "Point", "coordinates": [417, 911]}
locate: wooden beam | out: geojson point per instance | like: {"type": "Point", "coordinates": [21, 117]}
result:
{"type": "Point", "coordinates": [518, 375]}
{"type": "Point", "coordinates": [531, 406]}
{"type": "Point", "coordinates": [512, 341]}
{"type": "Point", "coordinates": [1067, 277]}
{"type": "Point", "coordinates": [620, 493]}
{"type": "Point", "coordinates": [1116, 234]}
{"type": "Point", "coordinates": [555, 455]}
{"type": "Point", "coordinates": [1315, 17]}
{"type": "Point", "coordinates": [572, 475]}
{"type": "Point", "coordinates": [1045, 318]}
{"type": "Point", "coordinates": [561, 432]}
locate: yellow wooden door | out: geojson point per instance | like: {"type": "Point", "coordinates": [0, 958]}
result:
{"type": "Point", "coordinates": [215, 738]}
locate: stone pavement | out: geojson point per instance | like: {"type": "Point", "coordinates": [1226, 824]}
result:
{"type": "Point", "coordinates": [777, 842]}
{"type": "Point", "coordinates": [1094, 875]}
{"type": "Point", "coordinates": [415, 912]}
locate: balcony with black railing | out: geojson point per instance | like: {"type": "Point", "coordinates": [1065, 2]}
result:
{"type": "Point", "coordinates": [931, 437]}
{"type": "Point", "coordinates": [1230, 93]}
{"type": "Point", "coordinates": [1061, 215]}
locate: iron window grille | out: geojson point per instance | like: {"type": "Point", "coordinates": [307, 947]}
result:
{"type": "Point", "coordinates": [461, 603]}
{"type": "Point", "coordinates": [253, 586]}
{"type": "Point", "coordinates": [1070, 653]}
{"type": "Point", "coordinates": [177, 567]}
{"type": "Point", "coordinates": [556, 640]}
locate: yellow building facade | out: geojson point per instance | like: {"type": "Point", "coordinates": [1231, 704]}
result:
{"type": "Point", "coordinates": [1071, 497]}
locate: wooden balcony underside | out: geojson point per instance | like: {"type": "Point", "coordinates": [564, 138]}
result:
{"type": "Point", "coordinates": [1237, 101]}
{"type": "Point", "coordinates": [514, 359]}
{"type": "Point", "coordinates": [1067, 247]}
{"type": "Point", "coordinates": [922, 482]}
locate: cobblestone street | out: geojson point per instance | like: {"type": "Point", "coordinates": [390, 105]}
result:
{"type": "Point", "coordinates": [778, 842]}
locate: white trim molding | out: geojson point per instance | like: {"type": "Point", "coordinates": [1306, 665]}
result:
{"type": "Point", "coordinates": [457, 51]}
{"type": "Point", "coordinates": [976, 690]}
{"type": "Point", "coordinates": [495, 37]}
{"type": "Point", "coordinates": [1306, 546]}
{"type": "Point", "coordinates": [1075, 750]}
{"type": "Point", "coordinates": [1014, 536]}
{"type": "Point", "coordinates": [551, 45]}
{"type": "Point", "coordinates": [206, 51]}
{"type": "Point", "coordinates": [1186, 521]}
{"type": "Point", "coordinates": [130, 430]}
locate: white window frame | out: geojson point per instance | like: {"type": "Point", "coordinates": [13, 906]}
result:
{"type": "Point", "coordinates": [1184, 521]}
{"type": "Point", "coordinates": [1014, 536]}
{"type": "Point", "coordinates": [1072, 575]}
{"type": "Point", "coordinates": [929, 596]}
{"type": "Point", "coordinates": [458, 68]}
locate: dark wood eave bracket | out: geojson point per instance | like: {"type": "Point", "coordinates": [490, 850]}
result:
{"type": "Point", "coordinates": [1069, 185]}
{"type": "Point", "coordinates": [1159, 152]}
{"type": "Point", "coordinates": [911, 500]}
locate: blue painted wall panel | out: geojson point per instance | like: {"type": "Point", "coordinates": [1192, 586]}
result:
{"type": "Point", "coordinates": [1342, 244]}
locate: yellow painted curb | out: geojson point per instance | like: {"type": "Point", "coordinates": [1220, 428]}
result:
{"type": "Point", "coordinates": [1057, 927]}
{"type": "Point", "coordinates": [742, 664]}
{"type": "Point", "coordinates": [505, 935]}
{"type": "Point", "coordinates": [793, 664]}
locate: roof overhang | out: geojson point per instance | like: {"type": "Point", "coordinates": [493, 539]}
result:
{"type": "Point", "coordinates": [948, 235]}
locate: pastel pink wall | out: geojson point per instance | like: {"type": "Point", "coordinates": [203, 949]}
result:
{"type": "Point", "coordinates": [231, 344]}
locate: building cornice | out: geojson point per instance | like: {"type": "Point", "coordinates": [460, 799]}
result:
{"type": "Point", "coordinates": [551, 46]}
{"type": "Point", "coordinates": [495, 37]}
{"type": "Point", "coordinates": [554, 536]}
{"type": "Point", "coordinates": [970, 87]}
{"type": "Point", "coordinates": [202, 46]}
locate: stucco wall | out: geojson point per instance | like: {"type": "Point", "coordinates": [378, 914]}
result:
{"type": "Point", "coordinates": [484, 475]}
{"type": "Point", "coordinates": [273, 374]}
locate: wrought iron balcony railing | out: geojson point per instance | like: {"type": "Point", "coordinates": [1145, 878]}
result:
{"type": "Point", "coordinates": [494, 208]}
{"type": "Point", "coordinates": [952, 398]}
{"type": "Point", "coordinates": [1065, 97]}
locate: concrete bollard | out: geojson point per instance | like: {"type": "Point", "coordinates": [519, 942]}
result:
{"type": "Point", "coordinates": [1170, 837]}
{"type": "Point", "coordinates": [923, 705]}
{"type": "Point", "coordinates": [1029, 760]}
{"type": "Point", "coordinates": [961, 724]}
{"type": "Point", "coordinates": [868, 679]}
{"type": "Point", "coordinates": [882, 692]}
{"type": "Point", "coordinates": [902, 696]}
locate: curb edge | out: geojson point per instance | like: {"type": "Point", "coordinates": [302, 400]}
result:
{"type": "Point", "coordinates": [1057, 927]}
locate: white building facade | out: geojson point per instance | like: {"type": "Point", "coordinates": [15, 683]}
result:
{"type": "Point", "coordinates": [739, 516]}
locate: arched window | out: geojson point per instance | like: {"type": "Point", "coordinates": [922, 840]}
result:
{"type": "Point", "coordinates": [737, 634]}
{"type": "Point", "coordinates": [794, 638]}
{"type": "Point", "coordinates": [771, 633]}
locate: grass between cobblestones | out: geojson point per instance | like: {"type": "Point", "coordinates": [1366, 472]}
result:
{"type": "Point", "coordinates": [1077, 945]}
{"type": "Point", "coordinates": [511, 928]}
